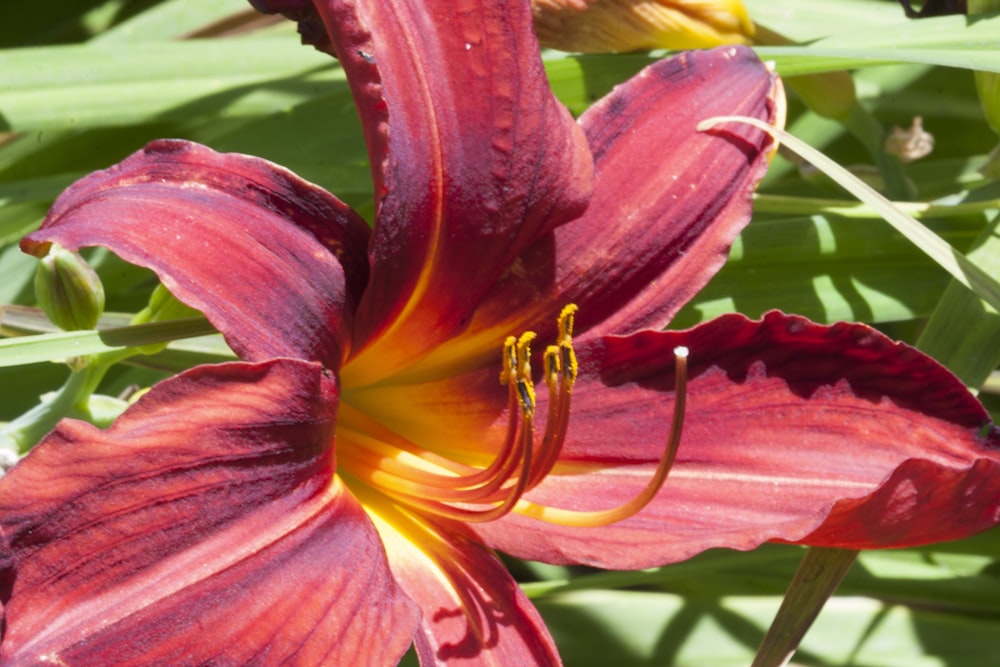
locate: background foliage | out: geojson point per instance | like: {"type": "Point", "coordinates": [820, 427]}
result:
{"type": "Point", "coordinates": [86, 82]}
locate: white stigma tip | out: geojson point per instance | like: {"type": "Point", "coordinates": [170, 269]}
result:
{"type": "Point", "coordinates": [681, 351]}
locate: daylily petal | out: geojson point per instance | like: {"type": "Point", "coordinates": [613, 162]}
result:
{"type": "Point", "coordinates": [668, 203]}
{"type": "Point", "coordinates": [601, 26]}
{"type": "Point", "coordinates": [275, 263]}
{"type": "Point", "coordinates": [206, 526]}
{"type": "Point", "coordinates": [473, 160]}
{"type": "Point", "coordinates": [694, 197]}
{"type": "Point", "coordinates": [829, 436]}
{"type": "Point", "coordinates": [474, 613]}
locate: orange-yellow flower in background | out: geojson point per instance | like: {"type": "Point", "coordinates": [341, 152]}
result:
{"type": "Point", "coordinates": [600, 26]}
{"type": "Point", "coordinates": [610, 26]}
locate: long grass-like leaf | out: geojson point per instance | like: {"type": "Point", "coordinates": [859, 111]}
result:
{"type": "Point", "coordinates": [952, 261]}
{"type": "Point", "coordinates": [54, 346]}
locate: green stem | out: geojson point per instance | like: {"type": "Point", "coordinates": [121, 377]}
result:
{"type": "Point", "coordinates": [818, 576]}
{"type": "Point", "coordinates": [21, 434]}
{"type": "Point", "coordinates": [845, 208]}
{"type": "Point", "coordinates": [70, 400]}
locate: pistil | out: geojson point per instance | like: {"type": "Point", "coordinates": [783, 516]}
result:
{"type": "Point", "coordinates": [560, 373]}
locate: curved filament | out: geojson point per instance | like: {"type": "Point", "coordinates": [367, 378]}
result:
{"type": "Point", "coordinates": [594, 518]}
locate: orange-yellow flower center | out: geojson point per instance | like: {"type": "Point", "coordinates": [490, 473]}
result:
{"type": "Point", "coordinates": [435, 484]}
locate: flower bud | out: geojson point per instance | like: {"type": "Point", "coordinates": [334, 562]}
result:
{"type": "Point", "coordinates": [602, 26]}
{"type": "Point", "coordinates": [68, 289]}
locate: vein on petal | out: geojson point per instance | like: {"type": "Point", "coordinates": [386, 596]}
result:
{"type": "Point", "coordinates": [238, 542]}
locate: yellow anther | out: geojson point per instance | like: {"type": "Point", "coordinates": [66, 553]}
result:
{"type": "Point", "coordinates": [552, 367]}
{"type": "Point", "coordinates": [467, 492]}
{"type": "Point", "coordinates": [526, 392]}
{"type": "Point", "coordinates": [524, 350]}
{"type": "Point", "coordinates": [525, 386]}
{"type": "Point", "coordinates": [569, 363]}
{"type": "Point", "coordinates": [509, 359]}
{"type": "Point", "coordinates": [566, 319]}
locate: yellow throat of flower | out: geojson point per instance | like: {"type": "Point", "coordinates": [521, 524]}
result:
{"type": "Point", "coordinates": [433, 484]}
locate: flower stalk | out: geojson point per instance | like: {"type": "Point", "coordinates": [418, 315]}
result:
{"type": "Point", "coordinates": [819, 574]}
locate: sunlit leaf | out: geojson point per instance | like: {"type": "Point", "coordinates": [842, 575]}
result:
{"type": "Point", "coordinates": [55, 346]}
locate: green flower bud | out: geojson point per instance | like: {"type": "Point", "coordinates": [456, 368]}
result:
{"type": "Point", "coordinates": [68, 289]}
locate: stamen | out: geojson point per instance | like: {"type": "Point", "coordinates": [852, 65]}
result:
{"type": "Point", "coordinates": [560, 375]}
{"type": "Point", "coordinates": [567, 318]}
{"type": "Point", "coordinates": [509, 360]}
{"type": "Point", "coordinates": [525, 387]}
{"type": "Point", "coordinates": [381, 451]}
{"type": "Point", "coordinates": [516, 453]}
{"type": "Point", "coordinates": [606, 517]}
{"type": "Point", "coordinates": [466, 493]}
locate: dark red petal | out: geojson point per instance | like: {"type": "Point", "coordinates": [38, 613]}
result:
{"type": "Point", "coordinates": [473, 160]}
{"type": "Point", "coordinates": [206, 526]}
{"type": "Point", "coordinates": [679, 196]}
{"type": "Point", "coordinates": [668, 202]}
{"type": "Point", "coordinates": [275, 263]}
{"type": "Point", "coordinates": [474, 613]}
{"type": "Point", "coordinates": [304, 13]}
{"type": "Point", "coordinates": [828, 436]}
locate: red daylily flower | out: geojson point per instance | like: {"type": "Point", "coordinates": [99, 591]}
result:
{"type": "Point", "coordinates": [338, 493]}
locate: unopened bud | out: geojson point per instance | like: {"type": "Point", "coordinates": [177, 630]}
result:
{"type": "Point", "coordinates": [69, 290]}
